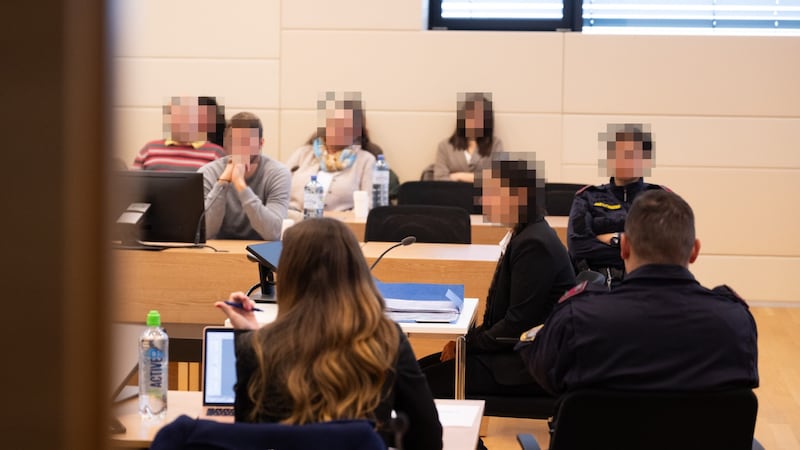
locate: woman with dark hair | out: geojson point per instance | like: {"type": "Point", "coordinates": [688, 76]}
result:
{"type": "Point", "coordinates": [533, 272]}
{"type": "Point", "coordinates": [331, 353]}
{"type": "Point", "coordinates": [212, 120]}
{"type": "Point", "coordinates": [468, 150]}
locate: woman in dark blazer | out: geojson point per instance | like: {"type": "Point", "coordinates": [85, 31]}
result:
{"type": "Point", "coordinates": [533, 272]}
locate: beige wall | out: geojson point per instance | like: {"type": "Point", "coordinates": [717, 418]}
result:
{"type": "Point", "coordinates": [725, 110]}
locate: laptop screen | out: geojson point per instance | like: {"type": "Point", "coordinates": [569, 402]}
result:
{"type": "Point", "coordinates": [219, 366]}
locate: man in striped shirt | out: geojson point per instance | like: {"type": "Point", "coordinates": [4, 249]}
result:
{"type": "Point", "coordinates": [185, 146]}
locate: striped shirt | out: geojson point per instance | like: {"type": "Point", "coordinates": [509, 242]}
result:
{"type": "Point", "coordinates": [170, 155]}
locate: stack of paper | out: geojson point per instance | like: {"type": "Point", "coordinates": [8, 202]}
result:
{"type": "Point", "coordinates": [422, 302]}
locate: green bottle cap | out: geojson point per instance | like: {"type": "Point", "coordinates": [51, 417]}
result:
{"type": "Point", "coordinates": [153, 318]}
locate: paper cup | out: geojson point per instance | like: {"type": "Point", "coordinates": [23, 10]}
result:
{"type": "Point", "coordinates": [360, 204]}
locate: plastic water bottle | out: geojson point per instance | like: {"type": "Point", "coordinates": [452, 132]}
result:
{"type": "Point", "coordinates": [313, 202]}
{"type": "Point", "coordinates": [153, 361]}
{"type": "Point", "coordinates": [380, 183]}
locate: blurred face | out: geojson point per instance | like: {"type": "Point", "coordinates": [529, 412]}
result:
{"type": "Point", "coordinates": [339, 129]}
{"type": "Point", "coordinates": [502, 204]}
{"type": "Point", "coordinates": [183, 121]}
{"type": "Point", "coordinates": [474, 121]}
{"type": "Point", "coordinates": [207, 118]}
{"type": "Point", "coordinates": [245, 145]}
{"type": "Point", "coordinates": [627, 158]}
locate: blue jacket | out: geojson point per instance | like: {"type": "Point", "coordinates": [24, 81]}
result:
{"type": "Point", "coordinates": [186, 433]}
{"type": "Point", "coordinates": [599, 210]}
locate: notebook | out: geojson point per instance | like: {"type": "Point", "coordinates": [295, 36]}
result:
{"type": "Point", "coordinates": [219, 374]}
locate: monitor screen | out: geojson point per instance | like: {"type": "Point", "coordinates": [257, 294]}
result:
{"type": "Point", "coordinates": [176, 205]}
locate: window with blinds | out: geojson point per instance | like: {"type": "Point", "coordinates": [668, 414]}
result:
{"type": "Point", "coordinates": [743, 17]}
{"type": "Point", "coordinates": [692, 16]}
{"type": "Point", "coordinates": [534, 15]}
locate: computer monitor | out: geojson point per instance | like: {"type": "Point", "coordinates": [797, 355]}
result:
{"type": "Point", "coordinates": [176, 203]}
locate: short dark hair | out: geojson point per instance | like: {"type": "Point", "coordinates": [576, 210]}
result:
{"type": "Point", "coordinates": [247, 120]}
{"type": "Point", "coordinates": [660, 228]}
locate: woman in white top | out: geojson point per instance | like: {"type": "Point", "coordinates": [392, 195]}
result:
{"type": "Point", "coordinates": [469, 149]}
{"type": "Point", "coordinates": [334, 155]}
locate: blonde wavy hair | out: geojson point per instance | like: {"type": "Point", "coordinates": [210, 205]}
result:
{"type": "Point", "coordinates": [331, 346]}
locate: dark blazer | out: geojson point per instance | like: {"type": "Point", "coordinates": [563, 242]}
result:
{"type": "Point", "coordinates": [532, 274]}
{"type": "Point", "coordinates": [406, 391]}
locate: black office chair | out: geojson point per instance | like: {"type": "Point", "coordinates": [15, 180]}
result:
{"type": "Point", "coordinates": [653, 421]}
{"type": "Point", "coordinates": [558, 197]}
{"type": "Point", "coordinates": [530, 407]}
{"type": "Point", "coordinates": [435, 224]}
{"type": "Point", "coordinates": [186, 433]}
{"type": "Point", "coordinates": [440, 193]}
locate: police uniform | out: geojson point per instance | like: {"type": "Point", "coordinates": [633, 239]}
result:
{"type": "Point", "coordinates": [599, 210]}
{"type": "Point", "coordinates": [658, 330]}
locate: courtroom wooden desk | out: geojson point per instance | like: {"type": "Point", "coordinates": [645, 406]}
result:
{"type": "Point", "coordinates": [482, 232]}
{"type": "Point", "coordinates": [140, 433]}
{"type": "Point", "coordinates": [183, 283]}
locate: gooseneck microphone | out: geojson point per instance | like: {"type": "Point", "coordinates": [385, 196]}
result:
{"type": "Point", "coordinates": [408, 240]}
{"type": "Point", "coordinates": [200, 227]}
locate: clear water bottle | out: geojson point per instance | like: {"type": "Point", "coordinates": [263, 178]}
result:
{"type": "Point", "coordinates": [313, 201]}
{"type": "Point", "coordinates": [153, 361]}
{"type": "Point", "coordinates": [380, 183]}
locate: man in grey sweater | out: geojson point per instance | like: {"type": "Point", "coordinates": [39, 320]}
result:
{"type": "Point", "coordinates": [247, 193]}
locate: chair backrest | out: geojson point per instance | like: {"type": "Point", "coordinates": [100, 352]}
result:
{"type": "Point", "coordinates": [434, 224]}
{"type": "Point", "coordinates": [558, 197]}
{"type": "Point", "coordinates": [655, 421]}
{"type": "Point", "coordinates": [186, 433]}
{"type": "Point", "coordinates": [439, 193]}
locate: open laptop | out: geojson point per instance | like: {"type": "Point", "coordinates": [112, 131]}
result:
{"type": "Point", "coordinates": [219, 374]}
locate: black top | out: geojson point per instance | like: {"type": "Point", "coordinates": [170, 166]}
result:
{"type": "Point", "coordinates": [405, 391]}
{"type": "Point", "coordinates": [659, 330]}
{"type": "Point", "coordinates": [599, 210]}
{"type": "Point", "coordinates": [532, 274]}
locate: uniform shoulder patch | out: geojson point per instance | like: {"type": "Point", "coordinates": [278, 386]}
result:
{"type": "Point", "coordinates": [577, 289]}
{"type": "Point", "coordinates": [727, 291]}
{"type": "Point", "coordinates": [580, 191]}
{"type": "Point", "coordinates": [659, 186]}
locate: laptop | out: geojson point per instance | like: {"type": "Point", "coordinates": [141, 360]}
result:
{"type": "Point", "coordinates": [219, 374]}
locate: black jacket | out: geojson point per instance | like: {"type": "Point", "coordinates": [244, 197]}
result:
{"type": "Point", "coordinates": [406, 391]}
{"type": "Point", "coordinates": [659, 330]}
{"type": "Point", "coordinates": [532, 274]}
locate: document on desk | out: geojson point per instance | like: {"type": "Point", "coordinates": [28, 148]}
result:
{"type": "Point", "coordinates": [457, 415]}
{"type": "Point", "coordinates": [422, 302]}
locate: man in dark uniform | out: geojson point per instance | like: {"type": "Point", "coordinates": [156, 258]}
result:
{"type": "Point", "coordinates": [659, 329]}
{"type": "Point", "coordinates": [597, 216]}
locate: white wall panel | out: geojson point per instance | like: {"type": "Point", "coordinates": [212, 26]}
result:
{"type": "Point", "coordinates": [196, 28]}
{"type": "Point", "coordinates": [740, 211]}
{"type": "Point", "coordinates": [352, 14]}
{"type": "Point", "coordinates": [687, 75]}
{"type": "Point", "coordinates": [750, 142]}
{"type": "Point", "coordinates": [756, 279]}
{"type": "Point", "coordinates": [242, 83]}
{"type": "Point", "coordinates": [413, 71]}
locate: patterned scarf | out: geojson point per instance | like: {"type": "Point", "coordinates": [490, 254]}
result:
{"type": "Point", "coordinates": [334, 162]}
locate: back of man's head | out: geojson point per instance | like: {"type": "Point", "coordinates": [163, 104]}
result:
{"type": "Point", "coordinates": [660, 228]}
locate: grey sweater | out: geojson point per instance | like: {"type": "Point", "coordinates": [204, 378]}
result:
{"type": "Point", "coordinates": [255, 213]}
{"type": "Point", "coordinates": [449, 160]}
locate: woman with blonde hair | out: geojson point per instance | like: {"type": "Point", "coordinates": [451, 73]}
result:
{"type": "Point", "coordinates": [331, 353]}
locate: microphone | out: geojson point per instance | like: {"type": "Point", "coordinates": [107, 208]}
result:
{"type": "Point", "coordinates": [408, 240]}
{"type": "Point", "coordinates": [200, 226]}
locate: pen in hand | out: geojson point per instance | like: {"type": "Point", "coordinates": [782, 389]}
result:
{"type": "Point", "coordinates": [239, 305]}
